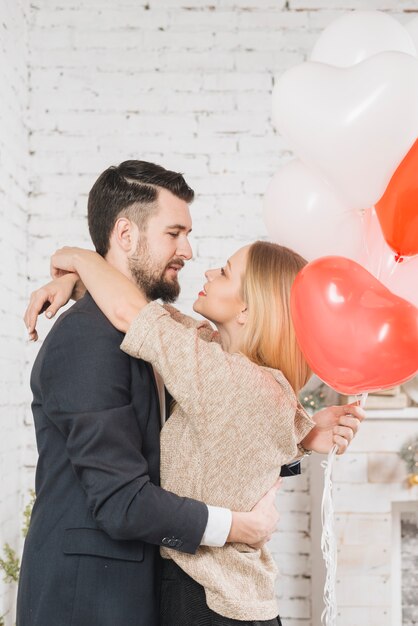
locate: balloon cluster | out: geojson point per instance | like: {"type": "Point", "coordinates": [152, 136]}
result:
{"type": "Point", "coordinates": [350, 114]}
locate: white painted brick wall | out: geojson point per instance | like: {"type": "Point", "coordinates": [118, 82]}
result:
{"type": "Point", "coordinates": [368, 480]}
{"type": "Point", "coordinates": [13, 257]}
{"type": "Point", "coordinates": [185, 84]}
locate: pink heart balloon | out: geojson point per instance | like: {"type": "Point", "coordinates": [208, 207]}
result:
{"type": "Point", "coordinates": [356, 335]}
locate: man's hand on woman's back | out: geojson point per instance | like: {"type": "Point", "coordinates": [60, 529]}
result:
{"type": "Point", "coordinates": [256, 527]}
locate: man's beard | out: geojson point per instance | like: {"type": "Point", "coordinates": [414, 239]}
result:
{"type": "Point", "coordinates": [151, 279]}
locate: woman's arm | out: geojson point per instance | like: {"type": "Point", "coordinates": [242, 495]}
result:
{"type": "Point", "coordinates": [50, 298]}
{"type": "Point", "coordinates": [79, 290]}
{"type": "Point", "coordinates": [203, 327]}
{"type": "Point", "coordinates": [118, 298]}
{"type": "Point", "coordinates": [205, 380]}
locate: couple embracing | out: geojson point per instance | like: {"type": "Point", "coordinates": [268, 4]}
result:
{"type": "Point", "coordinates": [137, 527]}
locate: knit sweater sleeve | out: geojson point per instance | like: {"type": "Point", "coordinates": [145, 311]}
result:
{"type": "Point", "coordinates": [193, 370]}
{"type": "Point", "coordinates": [203, 327]}
{"type": "Point", "coordinates": [303, 423]}
{"type": "Point", "coordinates": [212, 385]}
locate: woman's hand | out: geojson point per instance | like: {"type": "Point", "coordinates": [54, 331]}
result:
{"type": "Point", "coordinates": [65, 260]}
{"type": "Point", "coordinates": [50, 298]}
{"type": "Point", "coordinates": [335, 425]}
{"type": "Point", "coordinates": [114, 293]}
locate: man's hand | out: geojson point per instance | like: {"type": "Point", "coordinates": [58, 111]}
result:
{"type": "Point", "coordinates": [256, 527]}
{"type": "Point", "coordinates": [334, 425]}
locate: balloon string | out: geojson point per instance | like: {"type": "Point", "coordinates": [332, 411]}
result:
{"type": "Point", "coordinates": [328, 539]}
{"type": "Point", "coordinates": [368, 262]}
{"type": "Point", "coordinates": [329, 544]}
{"type": "Point", "coordinates": [363, 233]}
{"type": "Point", "coordinates": [398, 261]}
{"type": "Point", "coordinates": [379, 269]}
{"type": "Point", "coordinates": [365, 244]}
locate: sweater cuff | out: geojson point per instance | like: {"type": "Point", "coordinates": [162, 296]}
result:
{"type": "Point", "coordinates": [303, 423]}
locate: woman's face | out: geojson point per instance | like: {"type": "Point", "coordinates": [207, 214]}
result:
{"type": "Point", "coordinates": [220, 300]}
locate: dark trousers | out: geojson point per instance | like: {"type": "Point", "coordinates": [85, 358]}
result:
{"type": "Point", "coordinates": [183, 602]}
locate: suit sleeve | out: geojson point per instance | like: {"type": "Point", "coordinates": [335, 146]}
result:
{"type": "Point", "coordinates": [293, 469]}
{"type": "Point", "coordinates": [85, 382]}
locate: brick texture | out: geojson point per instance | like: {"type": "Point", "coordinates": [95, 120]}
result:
{"type": "Point", "coordinates": [13, 269]}
{"type": "Point", "coordinates": [185, 84]}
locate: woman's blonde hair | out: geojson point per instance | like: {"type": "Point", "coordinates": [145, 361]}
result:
{"type": "Point", "coordinates": [269, 335]}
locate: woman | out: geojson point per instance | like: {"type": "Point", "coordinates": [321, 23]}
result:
{"type": "Point", "coordinates": [235, 420]}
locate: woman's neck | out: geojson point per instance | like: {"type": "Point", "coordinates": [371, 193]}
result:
{"type": "Point", "coordinates": [230, 338]}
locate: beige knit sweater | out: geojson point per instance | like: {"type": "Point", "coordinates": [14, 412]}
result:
{"type": "Point", "coordinates": [233, 427]}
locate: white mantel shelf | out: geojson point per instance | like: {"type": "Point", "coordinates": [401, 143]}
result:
{"type": "Point", "coordinates": [410, 413]}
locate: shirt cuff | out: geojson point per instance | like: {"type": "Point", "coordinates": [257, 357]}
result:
{"type": "Point", "coordinates": [218, 527]}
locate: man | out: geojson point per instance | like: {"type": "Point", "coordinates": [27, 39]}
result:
{"type": "Point", "coordinates": [97, 420]}
{"type": "Point", "coordinates": [91, 554]}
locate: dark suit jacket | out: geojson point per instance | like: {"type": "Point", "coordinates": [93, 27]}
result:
{"type": "Point", "coordinates": [91, 557]}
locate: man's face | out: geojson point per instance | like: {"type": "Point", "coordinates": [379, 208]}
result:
{"type": "Point", "coordinates": [163, 249]}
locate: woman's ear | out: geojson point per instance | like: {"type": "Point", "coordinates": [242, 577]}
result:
{"type": "Point", "coordinates": [126, 234]}
{"type": "Point", "coordinates": [242, 316]}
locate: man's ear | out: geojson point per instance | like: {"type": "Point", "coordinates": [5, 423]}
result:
{"type": "Point", "coordinates": [126, 234]}
{"type": "Point", "coordinates": [242, 317]}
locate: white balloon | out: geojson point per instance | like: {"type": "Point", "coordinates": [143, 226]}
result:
{"type": "Point", "coordinates": [358, 35]}
{"type": "Point", "coordinates": [353, 125]}
{"type": "Point", "coordinates": [412, 28]}
{"type": "Point", "coordinates": [301, 211]}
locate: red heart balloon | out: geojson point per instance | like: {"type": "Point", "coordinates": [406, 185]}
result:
{"type": "Point", "coordinates": [397, 209]}
{"type": "Point", "coordinates": [356, 335]}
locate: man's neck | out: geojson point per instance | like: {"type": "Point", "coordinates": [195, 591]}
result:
{"type": "Point", "coordinates": [120, 264]}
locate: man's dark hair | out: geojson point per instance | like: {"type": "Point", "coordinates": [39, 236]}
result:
{"type": "Point", "coordinates": [129, 189]}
